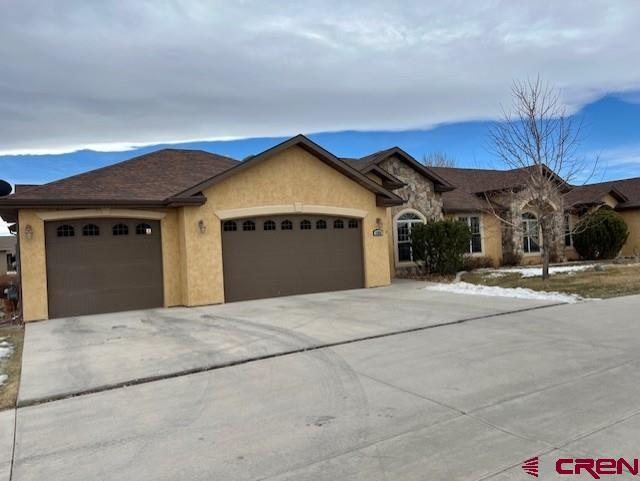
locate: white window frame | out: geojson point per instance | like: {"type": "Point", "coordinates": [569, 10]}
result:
{"type": "Point", "coordinates": [467, 220]}
{"type": "Point", "coordinates": [568, 231]}
{"type": "Point", "coordinates": [422, 220]}
{"type": "Point", "coordinates": [527, 229]}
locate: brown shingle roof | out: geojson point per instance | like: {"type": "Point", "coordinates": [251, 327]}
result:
{"type": "Point", "coordinates": [367, 163]}
{"type": "Point", "coordinates": [627, 191]}
{"type": "Point", "coordinates": [471, 183]}
{"type": "Point", "coordinates": [153, 177]}
{"type": "Point", "coordinates": [168, 177]}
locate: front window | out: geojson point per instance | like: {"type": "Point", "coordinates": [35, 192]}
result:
{"type": "Point", "coordinates": [473, 222]}
{"type": "Point", "coordinates": [530, 233]}
{"type": "Point", "coordinates": [404, 224]}
{"type": "Point", "coordinates": [568, 236]}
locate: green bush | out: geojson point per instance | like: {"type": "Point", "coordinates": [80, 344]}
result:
{"type": "Point", "coordinates": [600, 235]}
{"type": "Point", "coordinates": [440, 245]}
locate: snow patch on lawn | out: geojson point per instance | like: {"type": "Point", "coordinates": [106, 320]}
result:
{"type": "Point", "coordinates": [516, 292]}
{"type": "Point", "coordinates": [3, 378]}
{"type": "Point", "coordinates": [6, 349]}
{"type": "Point", "coordinates": [537, 271]}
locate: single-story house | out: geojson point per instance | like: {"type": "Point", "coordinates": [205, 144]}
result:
{"type": "Point", "coordinates": [186, 228]}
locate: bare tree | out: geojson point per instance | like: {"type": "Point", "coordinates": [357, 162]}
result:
{"type": "Point", "coordinates": [537, 136]}
{"type": "Point", "coordinates": [438, 159]}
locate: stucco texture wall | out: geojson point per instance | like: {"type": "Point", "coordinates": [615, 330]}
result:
{"type": "Point", "coordinates": [490, 231]}
{"type": "Point", "coordinates": [292, 178]}
{"type": "Point", "coordinates": [33, 267]}
{"type": "Point", "coordinates": [632, 246]}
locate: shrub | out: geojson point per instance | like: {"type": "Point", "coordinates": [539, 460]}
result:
{"type": "Point", "coordinates": [511, 258]}
{"type": "Point", "coordinates": [600, 235]}
{"type": "Point", "coordinates": [470, 262]}
{"type": "Point", "coordinates": [440, 245]}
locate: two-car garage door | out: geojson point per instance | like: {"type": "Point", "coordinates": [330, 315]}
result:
{"type": "Point", "coordinates": [108, 265]}
{"type": "Point", "coordinates": [103, 265]}
{"type": "Point", "coordinates": [294, 254]}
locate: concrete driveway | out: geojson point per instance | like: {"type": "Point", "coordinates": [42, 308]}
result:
{"type": "Point", "coordinates": [465, 401]}
{"type": "Point", "coordinates": [73, 355]}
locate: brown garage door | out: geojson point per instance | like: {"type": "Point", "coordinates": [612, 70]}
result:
{"type": "Point", "coordinates": [286, 255]}
{"type": "Point", "coordinates": [103, 265]}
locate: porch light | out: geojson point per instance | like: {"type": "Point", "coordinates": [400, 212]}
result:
{"type": "Point", "coordinates": [28, 232]}
{"type": "Point", "coordinates": [202, 227]}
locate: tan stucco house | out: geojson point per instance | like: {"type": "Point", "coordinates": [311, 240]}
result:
{"type": "Point", "coordinates": [187, 228]}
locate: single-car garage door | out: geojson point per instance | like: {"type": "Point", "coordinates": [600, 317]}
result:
{"type": "Point", "coordinates": [286, 255]}
{"type": "Point", "coordinates": [103, 265]}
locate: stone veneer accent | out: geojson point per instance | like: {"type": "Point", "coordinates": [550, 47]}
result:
{"type": "Point", "coordinates": [512, 248]}
{"type": "Point", "coordinates": [418, 194]}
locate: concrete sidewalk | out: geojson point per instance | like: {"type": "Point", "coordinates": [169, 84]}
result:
{"type": "Point", "coordinates": [74, 355]}
{"type": "Point", "coordinates": [464, 402]}
{"type": "Point", "coordinates": [7, 421]}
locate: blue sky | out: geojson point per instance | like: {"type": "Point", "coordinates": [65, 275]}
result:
{"type": "Point", "coordinates": [611, 133]}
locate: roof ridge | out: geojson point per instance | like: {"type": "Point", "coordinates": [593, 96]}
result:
{"type": "Point", "coordinates": [126, 161]}
{"type": "Point", "coordinates": [607, 182]}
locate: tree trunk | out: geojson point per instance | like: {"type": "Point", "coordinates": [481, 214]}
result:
{"type": "Point", "coordinates": [546, 246]}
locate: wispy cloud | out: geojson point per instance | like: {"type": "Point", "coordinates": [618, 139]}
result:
{"type": "Point", "coordinates": [114, 74]}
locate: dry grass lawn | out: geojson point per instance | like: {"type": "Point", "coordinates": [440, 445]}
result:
{"type": "Point", "coordinates": [614, 280]}
{"type": "Point", "coordinates": [11, 366]}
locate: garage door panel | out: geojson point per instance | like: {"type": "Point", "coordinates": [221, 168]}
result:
{"type": "Point", "coordinates": [105, 272]}
{"type": "Point", "coordinates": [261, 263]}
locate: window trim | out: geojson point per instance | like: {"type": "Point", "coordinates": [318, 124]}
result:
{"type": "Point", "coordinates": [568, 231]}
{"type": "Point", "coordinates": [468, 217]}
{"type": "Point", "coordinates": [523, 220]}
{"type": "Point", "coordinates": [396, 255]}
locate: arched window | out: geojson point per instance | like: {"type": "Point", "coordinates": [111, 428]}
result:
{"type": "Point", "coordinates": [353, 223]}
{"type": "Point", "coordinates": [269, 225]}
{"type": "Point", "coordinates": [321, 224]}
{"type": "Point", "coordinates": [286, 225]}
{"type": "Point", "coordinates": [305, 225]}
{"type": "Point", "coordinates": [90, 230]}
{"type": "Point", "coordinates": [404, 224]}
{"type": "Point", "coordinates": [143, 229]}
{"type": "Point", "coordinates": [120, 229]}
{"type": "Point", "coordinates": [248, 225]}
{"type": "Point", "coordinates": [229, 226]}
{"type": "Point", "coordinates": [338, 224]}
{"type": "Point", "coordinates": [65, 230]}
{"type": "Point", "coordinates": [530, 233]}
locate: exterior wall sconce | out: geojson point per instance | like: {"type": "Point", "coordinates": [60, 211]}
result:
{"type": "Point", "coordinates": [28, 232]}
{"type": "Point", "coordinates": [379, 223]}
{"type": "Point", "coordinates": [202, 227]}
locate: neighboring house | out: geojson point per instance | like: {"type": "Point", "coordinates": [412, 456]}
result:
{"type": "Point", "coordinates": [186, 228]}
{"type": "Point", "coordinates": [7, 253]}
